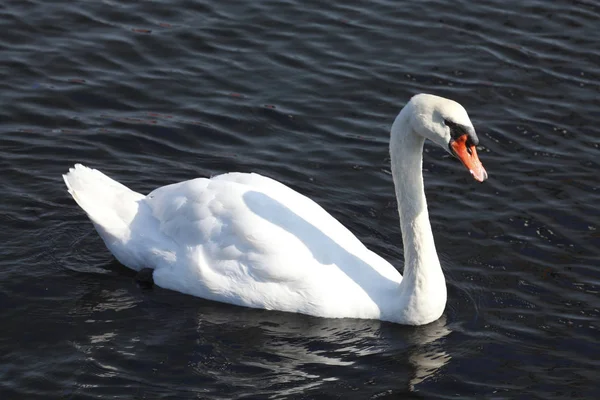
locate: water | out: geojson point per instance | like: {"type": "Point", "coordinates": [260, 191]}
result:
{"type": "Point", "coordinates": [305, 92]}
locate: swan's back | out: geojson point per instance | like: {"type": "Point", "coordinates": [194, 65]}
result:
{"type": "Point", "coordinates": [240, 238]}
{"type": "Point", "coordinates": [251, 228]}
{"type": "Point", "coordinates": [256, 242]}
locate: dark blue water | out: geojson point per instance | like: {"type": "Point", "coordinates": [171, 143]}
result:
{"type": "Point", "coordinates": [154, 92]}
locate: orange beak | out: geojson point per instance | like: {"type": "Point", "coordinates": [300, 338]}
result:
{"type": "Point", "coordinates": [467, 154]}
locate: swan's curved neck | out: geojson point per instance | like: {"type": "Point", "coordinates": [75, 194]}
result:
{"type": "Point", "coordinates": [423, 288]}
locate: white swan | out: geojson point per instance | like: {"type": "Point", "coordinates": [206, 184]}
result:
{"type": "Point", "coordinates": [249, 240]}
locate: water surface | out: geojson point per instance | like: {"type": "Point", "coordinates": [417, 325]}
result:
{"type": "Point", "coordinates": [304, 92]}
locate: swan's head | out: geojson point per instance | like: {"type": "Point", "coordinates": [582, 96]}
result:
{"type": "Point", "coordinates": [446, 123]}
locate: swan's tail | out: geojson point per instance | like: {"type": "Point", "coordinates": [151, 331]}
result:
{"type": "Point", "coordinates": [111, 206]}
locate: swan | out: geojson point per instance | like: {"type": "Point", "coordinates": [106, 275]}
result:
{"type": "Point", "coordinates": [248, 240]}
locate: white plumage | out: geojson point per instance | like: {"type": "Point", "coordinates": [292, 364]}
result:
{"type": "Point", "coordinates": [238, 238]}
{"type": "Point", "coordinates": [249, 240]}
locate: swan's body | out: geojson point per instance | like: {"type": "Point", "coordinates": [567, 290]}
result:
{"type": "Point", "coordinates": [249, 240]}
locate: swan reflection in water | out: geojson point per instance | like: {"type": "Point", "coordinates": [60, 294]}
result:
{"type": "Point", "coordinates": [297, 353]}
{"type": "Point", "coordinates": [186, 344]}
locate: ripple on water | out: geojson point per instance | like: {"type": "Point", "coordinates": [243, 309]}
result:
{"type": "Point", "coordinates": [304, 93]}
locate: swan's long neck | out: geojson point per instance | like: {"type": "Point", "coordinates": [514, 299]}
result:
{"type": "Point", "coordinates": [423, 288]}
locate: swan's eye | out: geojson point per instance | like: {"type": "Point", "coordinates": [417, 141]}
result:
{"type": "Point", "coordinates": [457, 130]}
{"type": "Point", "coordinates": [451, 125]}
